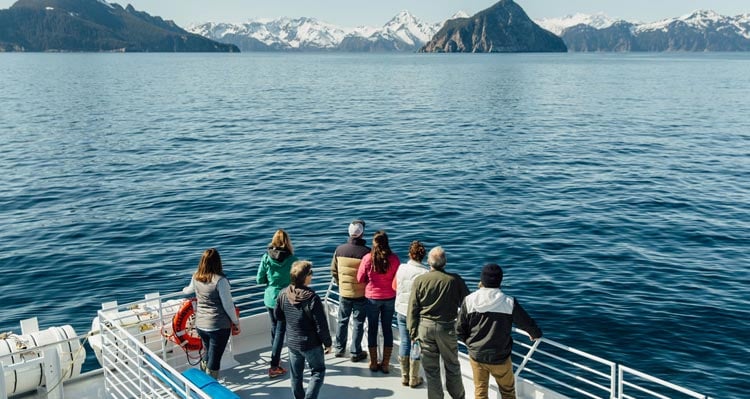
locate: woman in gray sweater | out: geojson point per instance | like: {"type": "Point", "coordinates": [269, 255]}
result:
{"type": "Point", "coordinates": [214, 313]}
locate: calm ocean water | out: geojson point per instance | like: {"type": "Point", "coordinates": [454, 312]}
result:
{"type": "Point", "coordinates": [613, 189]}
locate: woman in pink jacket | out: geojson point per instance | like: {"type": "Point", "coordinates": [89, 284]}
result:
{"type": "Point", "coordinates": [377, 269]}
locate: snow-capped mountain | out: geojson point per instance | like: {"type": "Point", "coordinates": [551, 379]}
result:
{"type": "Point", "coordinates": [558, 25]}
{"type": "Point", "coordinates": [404, 32]}
{"type": "Point", "coordinates": [277, 34]}
{"type": "Point", "coordinates": [460, 14]}
{"type": "Point", "coordinates": [409, 29]}
{"type": "Point", "coordinates": [703, 20]}
{"type": "Point", "coordinates": [698, 31]}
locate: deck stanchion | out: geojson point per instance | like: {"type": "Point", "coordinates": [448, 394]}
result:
{"type": "Point", "coordinates": [527, 357]}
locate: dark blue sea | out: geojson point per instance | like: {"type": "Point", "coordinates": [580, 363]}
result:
{"type": "Point", "coordinates": [614, 189]}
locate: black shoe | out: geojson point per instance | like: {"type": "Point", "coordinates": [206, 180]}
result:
{"type": "Point", "coordinates": [359, 356]}
{"type": "Point", "coordinates": [340, 354]}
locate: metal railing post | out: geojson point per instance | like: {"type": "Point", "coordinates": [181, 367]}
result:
{"type": "Point", "coordinates": [527, 357]}
{"type": "Point", "coordinates": [617, 371]}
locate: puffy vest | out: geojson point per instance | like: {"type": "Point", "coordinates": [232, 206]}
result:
{"type": "Point", "coordinates": [210, 314]}
{"type": "Point", "coordinates": [404, 280]}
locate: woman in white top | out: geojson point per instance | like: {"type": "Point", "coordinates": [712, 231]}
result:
{"type": "Point", "coordinates": [402, 284]}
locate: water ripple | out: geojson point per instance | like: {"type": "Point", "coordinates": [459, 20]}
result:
{"type": "Point", "coordinates": [619, 218]}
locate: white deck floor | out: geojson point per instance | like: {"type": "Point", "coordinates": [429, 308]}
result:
{"type": "Point", "coordinates": [344, 379]}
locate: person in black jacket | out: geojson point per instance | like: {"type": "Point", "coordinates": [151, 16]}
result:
{"type": "Point", "coordinates": [307, 330]}
{"type": "Point", "coordinates": [484, 324]}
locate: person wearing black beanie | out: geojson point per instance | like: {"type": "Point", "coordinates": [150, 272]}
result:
{"type": "Point", "coordinates": [485, 320]}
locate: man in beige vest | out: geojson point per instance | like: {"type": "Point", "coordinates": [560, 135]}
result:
{"type": "Point", "coordinates": [344, 266]}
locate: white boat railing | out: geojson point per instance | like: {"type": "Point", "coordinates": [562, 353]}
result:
{"type": "Point", "coordinates": [575, 373]}
{"type": "Point", "coordinates": [562, 367]}
{"type": "Point", "coordinates": [654, 383]}
{"type": "Point", "coordinates": [137, 357]}
{"type": "Point", "coordinates": [136, 365]}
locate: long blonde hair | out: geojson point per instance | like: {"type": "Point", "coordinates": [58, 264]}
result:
{"type": "Point", "coordinates": [281, 240]}
{"type": "Point", "coordinates": [209, 265]}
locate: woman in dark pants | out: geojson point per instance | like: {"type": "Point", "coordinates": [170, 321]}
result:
{"type": "Point", "coordinates": [274, 269]}
{"type": "Point", "coordinates": [214, 314]}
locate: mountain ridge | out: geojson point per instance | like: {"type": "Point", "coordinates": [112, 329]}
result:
{"type": "Point", "coordinates": [94, 25]}
{"type": "Point", "coordinates": [403, 32]}
{"type": "Point", "coordinates": [700, 30]}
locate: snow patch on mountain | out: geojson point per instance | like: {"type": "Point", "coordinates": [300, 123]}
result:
{"type": "Point", "coordinates": [460, 14]}
{"type": "Point", "coordinates": [742, 23]}
{"type": "Point", "coordinates": [558, 25]}
{"type": "Point", "coordinates": [106, 4]}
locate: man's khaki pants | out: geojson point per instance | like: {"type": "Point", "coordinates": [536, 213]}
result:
{"type": "Point", "coordinates": [503, 374]}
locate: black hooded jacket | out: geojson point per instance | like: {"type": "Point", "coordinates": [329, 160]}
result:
{"type": "Point", "coordinates": [306, 323]}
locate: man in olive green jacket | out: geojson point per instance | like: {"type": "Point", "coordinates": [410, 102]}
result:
{"type": "Point", "coordinates": [431, 319]}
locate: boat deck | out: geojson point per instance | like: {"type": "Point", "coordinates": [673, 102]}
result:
{"type": "Point", "coordinates": [142, 363]}
{"type": "Point", "coordinates": [343, 379]}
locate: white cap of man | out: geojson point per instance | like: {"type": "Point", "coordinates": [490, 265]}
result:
{"type": "Point", "coordinates": [356, 228]}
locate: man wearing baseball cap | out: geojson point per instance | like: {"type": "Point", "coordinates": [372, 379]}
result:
{"type": "Point", "coordinates": [344, 266]}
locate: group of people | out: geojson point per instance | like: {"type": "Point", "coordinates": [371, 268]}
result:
{"type": "Point", "coordinates": [433, 309]}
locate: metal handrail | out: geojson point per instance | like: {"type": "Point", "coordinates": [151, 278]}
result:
{"type": "Point", "coordinates": [130, 367]}
{"type": "Point", "coordinates": [569, 375]}
{"type": "Point", "coordinates": [622, 383]}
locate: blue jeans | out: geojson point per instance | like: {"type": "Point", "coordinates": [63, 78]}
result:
{"type": "Point", "coordinates": [214, 343]}
{"type": "Point", "coordinates": [278, 330]}
{"type": "Point", "coordinates": [347, 307]}
{"type": "Point", "coordinates": [382, 310]}
{"type": "Point", "coordinates": [404, 350]}
{"type": "Point", "coordinates": [316, 359]}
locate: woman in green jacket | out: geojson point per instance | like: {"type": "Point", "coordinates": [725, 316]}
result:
{"type": "Point", "coordinates": [275, 266]}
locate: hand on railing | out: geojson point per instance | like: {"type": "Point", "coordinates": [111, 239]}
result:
{"type": "Point", "coordinates": [524, 332]}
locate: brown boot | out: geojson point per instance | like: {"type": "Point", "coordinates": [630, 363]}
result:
{"type": "Point", "coordinates": [404, 363]}
{"type": "Point", "coordinates": [374, 366]}
{"type": "Point", "coordinates": [386, 364]}
{"type": "Point", "coordinates": [415, 379]}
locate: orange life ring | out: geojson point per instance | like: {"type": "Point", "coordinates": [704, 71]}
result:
{"type": "Point", "coordinates": [183, 334]}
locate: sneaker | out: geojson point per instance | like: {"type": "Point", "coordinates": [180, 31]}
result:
{"type": "Point", "coordinates": [274, 372]}
{"type": "Point", "coordinates": [340, 354]}
{"type": "Point", "coordinates": [359, 356]}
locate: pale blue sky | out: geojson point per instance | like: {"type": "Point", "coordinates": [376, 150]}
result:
{"type": "Point", "coordinates": [375, 13]}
